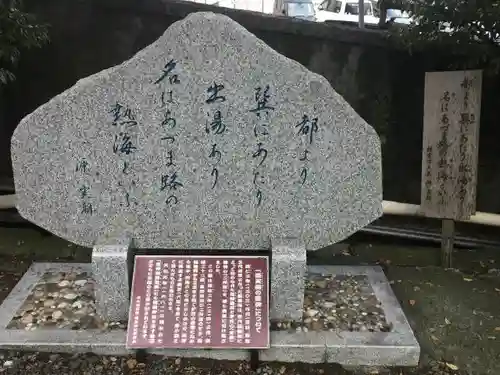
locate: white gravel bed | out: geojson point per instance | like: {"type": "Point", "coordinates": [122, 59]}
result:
{"type": "Point", "coordinates": [61, 301]}
{"type": "Point", "coordinates": [66, 301]}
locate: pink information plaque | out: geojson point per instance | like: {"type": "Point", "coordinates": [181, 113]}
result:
{"type": "Point", "coordinates": [199, 302]}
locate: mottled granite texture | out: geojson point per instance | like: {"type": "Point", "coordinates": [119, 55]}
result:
{"type": "Point", "coordinates": [110, 272]}
{"type": "Point", "coordinates": [288, 271]}
{"type": "Point", "coordinates": [136, 149]}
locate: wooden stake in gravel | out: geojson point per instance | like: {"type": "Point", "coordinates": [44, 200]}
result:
{"type": "Point", "coordinates": [447, 239]}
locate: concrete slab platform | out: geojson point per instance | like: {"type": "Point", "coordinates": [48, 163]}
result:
{"type": "Point", "coordinates": [396, 348]}
{"type": "Point", "coordinates": [399, 347]}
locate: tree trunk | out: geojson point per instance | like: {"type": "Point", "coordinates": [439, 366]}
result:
{"type": "Point", "coordinates": [382, 6]}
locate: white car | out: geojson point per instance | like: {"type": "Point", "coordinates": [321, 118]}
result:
{"type": "Point", "coordinates": [399, 17]}
{"type": "Point", "coordinates": [345, 10]}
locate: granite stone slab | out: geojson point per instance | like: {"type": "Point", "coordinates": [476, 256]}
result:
{"type": "Point", "coordinates": [207, 138]}
{"type": "Point", "coordinates": [288, 271]}
{"type": "Point", "coordinates": [395, 348]}
{"type": "Point", "coordinates": [110, 272]}
{"type": "Point", "coordinates": [307, 347]}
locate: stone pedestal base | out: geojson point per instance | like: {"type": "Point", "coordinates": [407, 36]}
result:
{"type": "Point", "coordinates": [395, 348]}
{"type": "Point", "coordinates": [288, 271]}
{"type": "Point", "coordinates": [110, 272]}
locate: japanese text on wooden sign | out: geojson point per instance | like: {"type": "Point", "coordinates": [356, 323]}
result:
{"type": "Point", "coordinates": [452, 107]}
{"type": "Point", "coordinates": [199, 302]}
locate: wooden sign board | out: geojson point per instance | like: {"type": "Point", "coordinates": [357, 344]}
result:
{"type": "Point", "coordinates": [198, 302]}
{"type": "Point", "coordinates": [452, 107]}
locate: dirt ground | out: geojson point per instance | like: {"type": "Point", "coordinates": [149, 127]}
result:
{"type": "Point", "coordinates": [455, 313]}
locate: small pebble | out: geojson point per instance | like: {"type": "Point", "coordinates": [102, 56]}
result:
{"type": "Point", "coordinates": [312, 312]}
{"type": "Point", "coordinates": [70, 296]}
{"type": "Point", "coordinates": [80, 282]}
{"type": "Point", "coordinates": [64, 284]}
{"type": "Point", "coordinates": [131, 363]}
{"type": "Point", "coordinates": [48, 303]}
{"type": "Point", "coordinates": [27, 319]}
{"type": "Point", "coordinates": [38, 294]}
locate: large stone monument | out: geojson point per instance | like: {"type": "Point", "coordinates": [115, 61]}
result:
{"type": "Point", "coordinates": [206, 139]}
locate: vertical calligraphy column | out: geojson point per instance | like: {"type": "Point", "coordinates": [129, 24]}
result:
{"type": "Point", "coordinates": [199, 280]}
{"type": "Point", "coordinates": [147, 301]}
{"type": "Point", "coordinates": [124, 146]}
{"type": "Point", "coordinates": [170, 180]}
{"type": "Point", "coordinates": [467, 122]}
{"type": "Point", "coordinates": [428, 174]}
{"type": "Point", "coordinates": [209, 293]}
{"type": "Point", "coordinates": [82, 168]}
{"type": "Point", "coordinates": [135, 324]}
{"type": "Point", "coordinates": [153, 333]}
{"type": "Point", "coordinates": [262, 112]}
{"type": "Point", "coordinates": [215, 127]}
{"type": "Point", "coordinates": [191, 300]}
{"type": "Point", "coordinates": [176, 267]}
{"type": "Point", "coordinates": [171, 307]}
{"type": "Point", "coordinates": [163, 299]}
{"type": "Point", "coordinates": [443, 147]}
{"type": "Point", "coordinates": [202, 319]}
{"type": "Point", "coordinates": [186, 294]}
{"type": "Point", "coordinates": [193, 314]}
{"type": "Point", "coordinates": [307, 128]}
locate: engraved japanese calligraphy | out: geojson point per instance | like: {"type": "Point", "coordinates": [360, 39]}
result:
{"type": "Point", "coordinates": [169, 180]}
{"type": "Point", "coordinates": [82, 170]}
{"type": "Point", "coordinates": [307, 128]}
{"type": "Point", "coordinates": [263, 113]}
{"type": "Point", "coordinates": [215, 127]}
{"type": "Point", "coordinates": [123, 120]}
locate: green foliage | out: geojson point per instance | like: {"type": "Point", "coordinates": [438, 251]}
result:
{"type": "Point", "coordinates": [469, 30]}
{"type": "Point", "coordinates": [18, 31]}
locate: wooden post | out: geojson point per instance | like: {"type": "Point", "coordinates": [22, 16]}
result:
{"type": "Point", "coordinates": [361, 6]}
{"type": "Point", "coordinates": [452, 106]}
{"type": "Point", "coordinates": [448, 237]}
